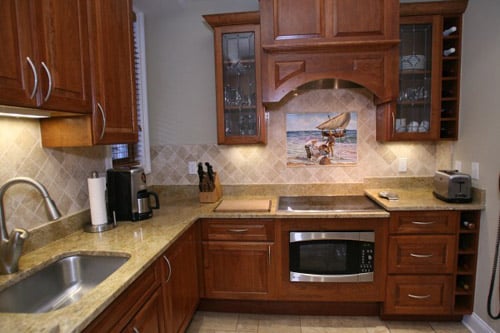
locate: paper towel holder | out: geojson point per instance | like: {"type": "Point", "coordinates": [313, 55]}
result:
{"type": "Point", "coordinates": [89, 227]}
{"type": "Point", "coordinates": [92, 228]}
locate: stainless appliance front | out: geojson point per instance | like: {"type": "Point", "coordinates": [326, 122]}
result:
{"type": "Point", "coordinates": [340, 256]}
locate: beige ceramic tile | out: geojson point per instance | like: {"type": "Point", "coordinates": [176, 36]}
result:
{"type": "Point", "coordinates": [449, 327]}
{"type": "Point", "coordinates": [214, 321]}
{"type": "Point", "coordinates": [409, 327]}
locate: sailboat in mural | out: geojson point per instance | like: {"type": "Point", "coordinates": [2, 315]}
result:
{"type": "Point", "coordinates": [330, 129]}
{"type": "Point", "coordinates": [335, 126]}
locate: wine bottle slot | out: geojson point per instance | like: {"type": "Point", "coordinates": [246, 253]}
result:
{"type": "Point", "coordinates": [449, 51]}
{"type": "Point", "coordinates": [449, 31]}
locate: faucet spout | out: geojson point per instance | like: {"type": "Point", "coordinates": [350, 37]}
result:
{"type": "Point", "coordinates": [11, 245]}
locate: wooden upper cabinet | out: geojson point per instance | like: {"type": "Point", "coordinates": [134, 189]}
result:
{"type": "Point", "coordinates": [45, 59]}
{"type": "Point", "coordinates": [314, 21]}
{"type": "Point", "coordinates": [113, 74]}
{"type": "Point", "coordinates": [16, 75]}
{"type": "Point", "coordinates": [114, 116]}
{"type": "Point", "coordinates": [308, 40]}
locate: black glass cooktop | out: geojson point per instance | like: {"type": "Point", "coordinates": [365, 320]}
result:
{"type": "Point", "coordinates": [320, 203]}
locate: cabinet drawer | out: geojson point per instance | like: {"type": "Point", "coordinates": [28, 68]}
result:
{"type": "Point", "coordinates": [410, 294]}
{"type": "Point", "coordinates": [421, 254]}
{"type": "Point", "coordinates": [423, 222]}
{"type": "Point", "coordinates": [238, 229]}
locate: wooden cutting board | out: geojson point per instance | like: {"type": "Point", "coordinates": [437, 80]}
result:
{"type": "Point", "coordinates": [241, 205]}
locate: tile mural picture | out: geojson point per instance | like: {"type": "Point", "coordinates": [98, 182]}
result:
{"type": "Point", "coordinates": [321, 139]}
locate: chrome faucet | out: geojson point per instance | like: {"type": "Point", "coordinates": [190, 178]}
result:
{"type": "Point", "coordinates": [12, 245]}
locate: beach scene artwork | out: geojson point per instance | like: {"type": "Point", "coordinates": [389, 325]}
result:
{"type": "Point", "coordinates": [321, 139]}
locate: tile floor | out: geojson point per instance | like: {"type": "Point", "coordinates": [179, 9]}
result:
{"type": "Point", "coordinates": [212, 322]}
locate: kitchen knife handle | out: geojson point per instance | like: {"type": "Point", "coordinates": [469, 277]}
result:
{"type": "Point", "coordinates": [419, 296]}
{"type": "Point", "coordinates": [238, 230]}
{"type": "Point", "coordinates": [423, 223]}
{"type": "Point", "coordinates": [415, 255]}
{"type": "Point", "coordinates": [35, 77]}
{"type": "Point", "coordinates": [169, 268]}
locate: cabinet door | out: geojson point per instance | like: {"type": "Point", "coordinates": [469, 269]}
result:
{"type": "Point", "coordinates": [417, 111]}
{"type": "Point", "coordinates": [238, 270]}
{"type": "Point", "coordinates": [112, 67]}
{"type": "Point", "coordinates": [61, 39]}
{"type": "Point", "coordinates": [17, 65]}
{"type": "Point", "coordinates": [315, 21]}
{"type": "Point", "coordinates": [149, 319]}
{"type": "Point", "coordinates": [240, 115]}
{"type": "Point", "coordinates": [180, 282]}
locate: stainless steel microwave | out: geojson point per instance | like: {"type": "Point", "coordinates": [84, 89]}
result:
{"type": "Point", "coordinates": [340, 256]}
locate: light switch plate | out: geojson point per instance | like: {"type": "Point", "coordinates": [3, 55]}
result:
{"type": "Point", "coordinates": [192, 168]}
{"type": "Point", "coordinates": [475, 170]}
{"type": "Point", "coordinates": [403, 164]}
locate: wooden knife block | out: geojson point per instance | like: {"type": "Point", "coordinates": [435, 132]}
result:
{"type": "Point", "coordinates": [215, 195]}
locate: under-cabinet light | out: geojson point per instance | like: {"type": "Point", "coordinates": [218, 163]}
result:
{"type": "Point", "coordinates": [22, 115]}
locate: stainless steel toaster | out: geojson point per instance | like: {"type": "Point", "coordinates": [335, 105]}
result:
{"type": "Point", "coordinates": [452, 186]}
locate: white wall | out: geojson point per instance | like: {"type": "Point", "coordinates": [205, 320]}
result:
{"type": "Point", "coordinates": [480, 129]}
{"type": "Point", "coordinates": [180, 69]}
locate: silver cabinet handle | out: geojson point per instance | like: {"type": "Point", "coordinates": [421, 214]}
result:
{"type": "Point", "coordinates": [415, 255]}
{"type": "Point", "coordinates": [237, 230]}
{"type": "Point", "coordinates": [49, 76]}
{"type": "Point", "coordinates": [169, 268]}
{"type": "Point", "coordinates": [103, 115]}
{"type": "Point", "coordinates": [135, 330]}
{"type": "Point", "coordinates": [269, 254]}
{"type": "Point", "coordinates": [423, 223]}
{"type": "Point", "coordinates": [35, 77]}
{"type": "Point", "coordinates": [419, 296]}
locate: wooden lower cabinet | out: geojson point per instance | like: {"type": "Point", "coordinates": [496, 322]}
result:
{"type": "Point", "coordinates": [431, 264]}
{"type": "Point", "coordinates": [138, 306]}
{"type": "Point", "coordinates": [149, 319]}
{"type": "Point", "coordinates": [180, 281]}
{"type": "Point", "coordinates": [419, 294]}
{"type": "Point", "coordinates": [239, 259]}
{"type": "Point", "coordinates": [163, 299]}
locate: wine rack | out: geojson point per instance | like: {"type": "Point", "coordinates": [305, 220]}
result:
{"type": "Point", "coordinates": [468, 236]}
{"type": "Point", "coordinates": [450, 77]}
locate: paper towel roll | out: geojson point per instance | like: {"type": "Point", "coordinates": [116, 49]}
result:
{"type": "Point", "coordinates": [97, 198]}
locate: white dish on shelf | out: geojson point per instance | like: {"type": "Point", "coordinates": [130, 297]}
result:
{"type": "Point", "coordinates": [412, 62]}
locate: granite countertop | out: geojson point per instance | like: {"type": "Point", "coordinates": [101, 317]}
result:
{"type": "Point", "coordinates": [422, 199]}
{"type": "Point", "coordinates": [145, 241]}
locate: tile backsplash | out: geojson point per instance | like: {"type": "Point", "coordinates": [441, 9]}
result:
{"type": "Point", "coordinates": [63, 171]}
{"type": "Point", "coordinates": [267, 164]}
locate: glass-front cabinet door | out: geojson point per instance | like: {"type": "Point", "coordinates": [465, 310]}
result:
{"type": "Point", "coordinates": [416, 116]}
{"type": "Point", "coordinates": [240, 114]}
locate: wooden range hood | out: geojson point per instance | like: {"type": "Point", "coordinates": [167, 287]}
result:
{"type": "Point", "coordinates": [353, 40]}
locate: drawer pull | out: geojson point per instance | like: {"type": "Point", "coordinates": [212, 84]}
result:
{"type": "Point", "coordinates": [419, 296]}
{"type": "Point", "coordinates": [415, 255]}
{"type": "Point", "coordinates": [422, 222]}
{"type": "Point", "coordinates": [239, 231]}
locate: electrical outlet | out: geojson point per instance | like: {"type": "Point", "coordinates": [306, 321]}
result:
{"type": "Point", "coordinates": [458, 165]}
{"type": "Point", "coordinates": [403, 164]}
{"type": "Point", "coordinates": [192, 167]}
{"type": "Point", "coordinates": [475, 170]}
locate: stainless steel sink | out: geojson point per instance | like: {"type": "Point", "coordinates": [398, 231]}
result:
{"type": "Point", "coordinates": [59, 284]}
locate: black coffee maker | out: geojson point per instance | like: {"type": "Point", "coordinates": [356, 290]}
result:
{"type": "Point", "coordinates": [127, 195]}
